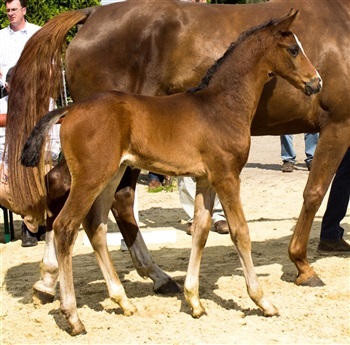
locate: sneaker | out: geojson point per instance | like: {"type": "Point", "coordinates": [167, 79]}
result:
{"type": "Point", "coordinates": [221, 227]}
{"type": "Point", "coordinates": [287, 167]}
{"type": "Point", "coordinates": [334, 248]}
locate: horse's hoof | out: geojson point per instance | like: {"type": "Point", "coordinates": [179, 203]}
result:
{"type": "Point", "coordinates": [169, 288]}
{"type": "Point", "coordinates": [80, 330]}
{"type": "Point", "coordinates": [41, 297]}
{"type": "Point", "coordinates": [313, 281]}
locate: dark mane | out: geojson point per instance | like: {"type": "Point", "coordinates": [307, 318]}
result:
{"type": "Point", "coordinates": [212, 70]}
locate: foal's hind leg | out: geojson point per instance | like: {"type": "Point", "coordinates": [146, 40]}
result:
{"type": "Point", "coordinates": [123, 212]}
{"type": "Point", "coordinates": [229, 194]}
{"type": "Point", "coordinates": [58, 185]}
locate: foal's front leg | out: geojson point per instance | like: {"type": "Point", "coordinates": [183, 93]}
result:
{"type": "Point", "coordinates": [204, 203]}
{"type": "Point", "coordinates": [229, 194]}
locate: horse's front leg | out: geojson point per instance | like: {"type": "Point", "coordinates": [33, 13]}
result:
{"type": "Point", "coordinates": [324, 165]}
{"type": "Point", "coordinates": [123, 212]}
{"type": "Point", "coordinates": [95, 225]}
{"type": "Point", "coordinates": [229, 194]}
{"type": "Point", "coordinates": [58, 185]}
{"type": "Point", "coordinates": [204, 203]}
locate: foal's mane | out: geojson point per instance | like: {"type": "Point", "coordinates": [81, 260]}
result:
{"type": "Point", "coordinates": [213, 69]}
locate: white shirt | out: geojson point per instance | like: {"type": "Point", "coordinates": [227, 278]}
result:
{"type": "Point", "coordinates": [3, 110]}
{"type": "Point", "coordinates": [11, 46]}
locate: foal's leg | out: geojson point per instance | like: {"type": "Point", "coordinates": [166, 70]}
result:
{"type": "Point", "coordinates": [123, 212]}
{"type": "Point", "coordinates": [95, 225]}
{"type": "Point", "coordinates": [58, 185]}
{"type": "Point", "coordinates": [320, 177]}
{"type": "Point", "coordinates": [229, 194]}
{"type": "Point", "coordinates": [204, 203]}
{"type": "Point", "coordinates": [44, 289]}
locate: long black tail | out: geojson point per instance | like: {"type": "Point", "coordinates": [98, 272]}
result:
{"type": "Point", "coordinates": [32, 149]}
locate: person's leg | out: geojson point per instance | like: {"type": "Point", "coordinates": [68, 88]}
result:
{"type": "Point", "coordinates": [331, 236]}
{"type": "Point", "coordinates": [311, 140]}
{"type": "Point", "coordinates": [219, 219]}
{"type": "Point", "coordinates": [288, 154]}
{"type": "Point", "coordinates": [187, 193]}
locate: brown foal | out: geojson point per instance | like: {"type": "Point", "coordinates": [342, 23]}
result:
{"type": "Point", "coordinates": [113, 130]}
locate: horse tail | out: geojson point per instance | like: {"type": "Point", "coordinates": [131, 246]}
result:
{"type": "Point", "coordinates": [34, 146]}
{"type": "Point", "coordinates": [37, 78]}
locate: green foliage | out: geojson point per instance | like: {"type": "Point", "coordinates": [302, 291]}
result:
{"type": "Point", "coordinates": [40, 11]}
{"type": "Point", "coordinates": [235, 1]}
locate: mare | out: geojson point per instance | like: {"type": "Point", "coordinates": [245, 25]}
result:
{"type": "Point", "coordinates": [166, 48]}
{"type": "Point", "coordinates": [128, 130]}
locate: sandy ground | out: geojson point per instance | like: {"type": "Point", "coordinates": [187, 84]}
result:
{"type": "Point", "coordinates": [272, 202]}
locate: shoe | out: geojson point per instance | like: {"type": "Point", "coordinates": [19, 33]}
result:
{"type": "Point", "coordinates": [40, 235]}
{"type": "Point", "coordinates": [28, 238]}
{"type": "Point", "coordinates": [334, 248]}
{"type": "Point", "coordinates": [308, 165]}
{"type": "Point", "coordinates": [287, 167]}
{"type": "Point", "coordinates": [189, 229]}
{"type": "Point", "coordinates": [221, 227]}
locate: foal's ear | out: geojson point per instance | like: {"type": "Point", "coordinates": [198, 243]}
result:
{"type": "Point", "coordinates": [286, 21]}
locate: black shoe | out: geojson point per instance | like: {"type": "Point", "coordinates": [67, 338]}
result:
{"type": "Point", "coordinates": [28, 238]}
{"type": "Point", "coordinates": [40, 235]}
{"type": "Point", "coordinates": [334, 248]}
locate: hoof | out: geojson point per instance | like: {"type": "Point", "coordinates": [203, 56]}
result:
{"type": "Point", "coordinates": [41, 297]}
{"type": "Point", "coordinates": [313, 281]}
{"type": "Point", "coordinates": [78, 331]}
{"type": "Point", "coordinates": [169, 288]}
{"type": "Point", "coordinates": [273, 311]}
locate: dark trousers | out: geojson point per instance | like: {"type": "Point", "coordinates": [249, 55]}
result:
{"type": "Point", "coordinates": [338, 202]}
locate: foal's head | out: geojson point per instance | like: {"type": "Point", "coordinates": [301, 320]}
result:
{"type": "Point", "coordinates": [288, 57]}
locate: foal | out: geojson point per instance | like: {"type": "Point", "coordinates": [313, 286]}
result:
{"type": "Point", "coordinates": [114, 130]}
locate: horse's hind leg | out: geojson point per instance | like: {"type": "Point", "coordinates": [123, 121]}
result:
{"type": "Point", "coordinates": [229, 195]}
{"type": "Point", "coordinates": [123, 212]}
{"type": "Point", "coordinates": [95, 225]}
{"type": "Point", "coordinates": [320, 177]}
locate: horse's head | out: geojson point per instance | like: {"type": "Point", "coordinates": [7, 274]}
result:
{"type": "Point", "coordinates": [289, 59]}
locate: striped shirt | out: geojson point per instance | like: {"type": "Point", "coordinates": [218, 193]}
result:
{"type": "Point", "coordinates": [11, 46]}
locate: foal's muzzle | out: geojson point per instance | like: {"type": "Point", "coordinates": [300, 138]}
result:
{"type": "Point", "coordinates": [313, 86]}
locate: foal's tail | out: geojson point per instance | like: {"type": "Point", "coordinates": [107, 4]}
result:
{"type": "Point", "coordinates": [37, 78]}
{"type": "Point", "coordinates": [34, 146]}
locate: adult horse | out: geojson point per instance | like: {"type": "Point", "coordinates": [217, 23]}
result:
{"type": "Point", "coordinates": [127, 129]}
{"type": "Point", "coordinates": [162, 48]}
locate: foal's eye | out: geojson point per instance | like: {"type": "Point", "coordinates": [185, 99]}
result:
{"type": "Point", "coordinates": [294, 51]}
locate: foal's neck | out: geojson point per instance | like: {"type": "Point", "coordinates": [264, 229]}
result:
{"type": "Point", "coordinates": [240, 78]}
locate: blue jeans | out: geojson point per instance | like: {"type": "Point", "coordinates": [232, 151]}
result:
{"type": "Point", "coordinates": [338, 202]}
{"type": "Point", "coordinates": [287, 151]}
